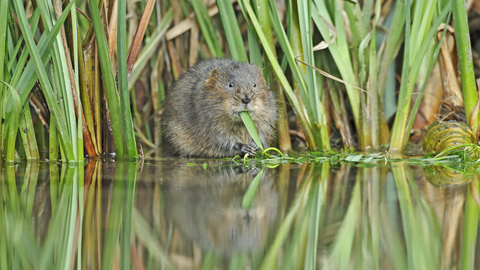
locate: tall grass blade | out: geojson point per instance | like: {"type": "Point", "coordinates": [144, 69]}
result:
{"type": "Point", "coordinates": [207, 28]}
{"type": "Point", "coordinates": [278, 71]}
{"type": "Point", "coordinates": [11, 129]}
{"type": "Point", "coordinates": [373, 104]}
{"type": "Point", "coordinates": [304, 18]}
{"type": "Point", "coordinates": [409, 76]}
{"type": "Point", "coordinates": [130, 183]}
{"type": "Point", "coordinates": [4, 261]}
{"type": "Point", "coordinates": [123, 79]}
{"type": "Point", "coordinates": [339, 50]}
{"type": "Point", "coordinates": [81, 124]}
{"type": "Point", "coordinates": [342, 246]}
{"type": "Point", "coordinates": [62, 71]}
{"type": "Point", "coordinates": [65, 136]}
{"type": "Point", "coordinates": [433, 60]}
{"type": "Point", "coordinates": [298, 76]}
{"type": "Point", "coordinates": [393, 43]}
{"type": "Point", "coordinates": [115, 218]}
{"type": "Point", "coordinates": [249, 195]}
{"type": "Point", "coordinates": [316, 213]}
{"type": "Point", "coordinates": [71, 217]}
{"type": "Point", "coordinates": [464, 51]}
{"type": "Point", "coordinates": [263, 15]}
{"type": "Point", "coordinates": [470, 228]}
{"type": "Point", "coordinates": [3, 60]}
{"type": "Point", "coordinates": [27, 133]}
{"type": "Point", "coordinates": [232, 31]}
{"type": "Point", "coordinates": [319, 121]}
{"type": "Point", "coordinates": [270, 259]}
{"type": "Point", "coordinates": [114, 106]}
{"type": "Point", "coordinates": [27, 77]}
{"type": "Point", "coordinates": [146, 237]}
{"type": "Point", "coordinates": [86, 78]}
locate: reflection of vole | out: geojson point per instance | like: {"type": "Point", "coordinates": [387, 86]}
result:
{"type": "Point", "coordinates": [205, 205]}
{"type": "Point", "coordinates": [201, 112]}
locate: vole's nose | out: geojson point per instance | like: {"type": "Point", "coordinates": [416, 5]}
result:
{"type": "Point", "coordinates": [245, 100]}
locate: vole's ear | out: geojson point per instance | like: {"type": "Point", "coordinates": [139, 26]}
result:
{"type": "Point", "coordinates": [260, 71]}
{"type": "Point", "coordinates": [212, 75]}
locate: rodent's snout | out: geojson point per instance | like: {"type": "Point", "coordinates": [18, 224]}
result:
{"type": "Point", "coordinates": [246, 99]}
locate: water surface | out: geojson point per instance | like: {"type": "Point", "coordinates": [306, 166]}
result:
{"type": "Point", "coordinates": [212, 214]}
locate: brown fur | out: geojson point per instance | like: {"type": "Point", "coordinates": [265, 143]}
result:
{"type": "Point", "coordinates": [205, 205]}
{"type": "Point", "coordinates": [201, 112]}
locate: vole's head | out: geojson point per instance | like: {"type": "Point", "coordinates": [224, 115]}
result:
{"type": "Point", "coordinates": [241, 87]}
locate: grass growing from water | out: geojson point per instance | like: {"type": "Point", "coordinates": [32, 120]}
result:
{"type": "Point", "coordinates": [322, 65]}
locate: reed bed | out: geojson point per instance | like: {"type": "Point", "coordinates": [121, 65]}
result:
{"type": "Point", "coordinates": [88, 78]}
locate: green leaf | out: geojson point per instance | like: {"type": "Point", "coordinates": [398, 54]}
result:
{"type": "Point", "coordinates": [251, 191]}
{"type": "Point", "coordinates": [109, 81]}
{"type": "Point", "coordinates": [207, 28]}
{"type": "Point", "coordinates": [123, 80]}
{"type": "Point", "coordinates": [232, 31]}
{"type": "Point", "coordinates": [247, 120]}
{"type": "Point", "coordinates": [11, 132]}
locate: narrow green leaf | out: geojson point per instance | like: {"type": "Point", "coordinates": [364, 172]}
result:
{"type": "Point", "coordinates": [115, 217]}
{"type": "Point", "coordinates": [109, 81]}
{"type": "Point", "coordinates": [11, 130]}
{"type": "Point", "coordinates": [251, 191]}
{"type": "Point", "coordinates": [3, 60]}
{"type": "Point", "coordinates": [232, 31]}
{"type": "Point", "coordinates": [65, 138]}
{"type": "Point", "coordinates": [123, 80]}
{"type": "Point", "coordinates": [27, 78]}
{"type": "Point", "coordinates": [433, 60]}
{"type": "Point", "coordinates": [465, 59]}
{"type": "Point", "coordinates": [278, 71]}
{"type": "Point", "coordinates": [129, 191]}
{"type": "Point", "coordinates": [409, 76]}
{"type": "Point", "coordinates": [470, 228]}
{"type": "Point", "coordinates": [247, 120]}
{"type": "Point", "coordinates": [146, 236]}
{"type": "Point", "coordinates": [27, 133]}
{"type": "Point", "coordinates": [3, 37]}
{"type": "Point", "coordinates": [207, 28]}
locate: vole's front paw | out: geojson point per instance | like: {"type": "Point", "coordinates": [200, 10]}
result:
{"type": "Point", "coordinates": [247, 149]}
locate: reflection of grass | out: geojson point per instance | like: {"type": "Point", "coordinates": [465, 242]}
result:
{"type": "Point", "coordinates": [355, 218]}
{"type": "Point", "coordinates": [44, 227]}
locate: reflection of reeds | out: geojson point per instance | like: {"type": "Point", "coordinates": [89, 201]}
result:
{"type": "Point", "coordinates": [470, 227]}
{"type": "Point", "coordinates": [357, 218]}
{"type": "Point", "coordinates": [56, 225]}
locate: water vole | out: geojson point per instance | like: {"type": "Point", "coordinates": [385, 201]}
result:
{"type": "Point", "coordinates": [201, 112]}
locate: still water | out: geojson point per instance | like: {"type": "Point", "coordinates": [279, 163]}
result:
{"type": "Point", "coordinates": [207, 214]}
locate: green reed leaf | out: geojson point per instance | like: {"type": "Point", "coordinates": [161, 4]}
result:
{"type": "Point", "coordinates": [11, 132]}
{"type": "Point", "coordinates": [247, 120]}
{"type": "Point", "coordinates": [251, 191]}
{"type": "Point", "coordinates": [232, 31]}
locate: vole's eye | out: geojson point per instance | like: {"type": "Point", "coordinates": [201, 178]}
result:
{"type": "Point", "coordinates": [254, 85]}
{"type": "Point", "coordinates": [230, 85]}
